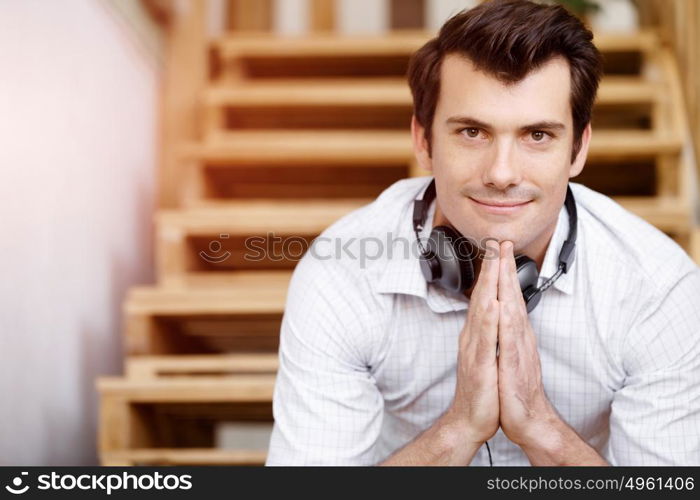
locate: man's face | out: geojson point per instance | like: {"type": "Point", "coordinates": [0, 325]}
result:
{"type": "Point", "coordinates": [494, 144]}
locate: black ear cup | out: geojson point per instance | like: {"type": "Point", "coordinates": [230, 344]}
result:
{"type": "Point", "coordinates": [429, 266]}
{"type": "Point", "coordinates": [448, 259]}
{"type": "Point", "coordinates": [527, 276]}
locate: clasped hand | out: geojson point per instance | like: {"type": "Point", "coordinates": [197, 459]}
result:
{"type": "Point", "coordinates": [504, 390]}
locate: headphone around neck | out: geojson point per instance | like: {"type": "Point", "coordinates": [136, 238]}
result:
{"type": "Point", "coordinates": [448, 259]}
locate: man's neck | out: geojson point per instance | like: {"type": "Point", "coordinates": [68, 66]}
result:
{"type": "Point", "coordinates": [536, 250]}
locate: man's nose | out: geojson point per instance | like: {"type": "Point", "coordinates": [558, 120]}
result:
{"type": "Point", "coordinates": [503, 170]}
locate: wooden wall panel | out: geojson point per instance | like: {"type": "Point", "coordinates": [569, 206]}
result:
{"type": "Point", "coordinates": [322, 15]}
{"type": "Point", "coordinates": [250, 15]}
{"type": "Point", "coordinates": [407, 14]}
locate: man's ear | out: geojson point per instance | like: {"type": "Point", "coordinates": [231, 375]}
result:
{"type": "Point", "coordinates": [580, 161]}
{"type": "Point", "coordinates": [420, 145]}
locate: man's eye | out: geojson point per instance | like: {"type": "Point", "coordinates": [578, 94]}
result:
{"type": "Point", "coordinates": [472, 132]}
{"type": "Point", "coordinates": [538, 135]}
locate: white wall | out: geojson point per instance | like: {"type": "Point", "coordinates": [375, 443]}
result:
{"type": "Point", "coordinates": [362, 17]}
{"type": "Point", "coordinates": [77, 162]}
{"type": "Point", "coordinates": [439, 11]}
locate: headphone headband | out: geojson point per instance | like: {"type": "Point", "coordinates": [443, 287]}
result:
{"type": "Point", "coordinates": [566, 255]}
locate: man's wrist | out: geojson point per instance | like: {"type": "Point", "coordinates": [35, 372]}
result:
{"type": "Point", "coordinates": [558, 444]}
{"type": "Point", "coordinates": [447, 442]}
{"type": "Point", "coordinates": [546, 441]}
{"type": "Point", "coordinates": [456, 434]}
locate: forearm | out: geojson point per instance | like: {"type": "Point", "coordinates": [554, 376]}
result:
{"type": "Point", "coordinates": [558, 444]}
{"type": "Point", "coordinates": [445, 443]}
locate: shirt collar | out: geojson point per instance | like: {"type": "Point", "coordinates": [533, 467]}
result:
{"type": "Point", "coordinates": [402, 273]}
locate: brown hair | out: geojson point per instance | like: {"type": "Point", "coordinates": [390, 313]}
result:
{"type": "Point", "coordinates": [508, 39]}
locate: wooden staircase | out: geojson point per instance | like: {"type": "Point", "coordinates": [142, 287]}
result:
{"type": "Point", "coordinates": [295, 134]}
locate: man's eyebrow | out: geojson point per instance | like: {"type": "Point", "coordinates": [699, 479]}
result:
{"type": "Point", "coordinates": [473, 122]}
{"type": "Point", "coordinates": [467, 120]}
{"type": "Point", "coordinates": [545, 125]}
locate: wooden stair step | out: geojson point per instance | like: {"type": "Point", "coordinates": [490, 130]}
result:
{"type": "Point", "coordinates": [262, 45]}
{"type": "Point", "coordinates": [219, 365]}
{"type": "Point", "coordinates": [311, 92]}
{"type": "Point", "coordinates": [252, 217]}
{"type": "Point", "coordinates": [206, 312]}
{"type": "Point", "coordinates": [628, 90]}
{"type": "Point", "coordinates": [239, 292]}
{"type": "Point", "coordinates": [671, 214]}
{"type": "Point", "coordinates": [633, 143]}
{"type": "Point", "coordinates": [304, 147]}
{"type": "Point", "coordinates": [668, 214]}
{"type": "Point", "coordinates": [663, 213]}
{"type": "Point", "coordinates": [240, 389]}
{"type": "Point", "coordinates": [644, 40]}
{"type": "Point", "coordinates": [377, 147]}
{"type": "Point", "coordinates": [381, 92]}
{"type": "Point", "coordinates": [183, 456]}
{"type": "Point", "coordinates": [404, 43]}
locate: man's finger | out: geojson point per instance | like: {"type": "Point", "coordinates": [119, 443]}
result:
{"type": "Point", "coordinates": [519, 300]}
{"type": "Point", "coordinates": [486, 287]}
{"type": "Point", "coordinates": [508, 285]}
{"type": "Point", "coordinates": [513, 311]}
{"type": "Point", "coordinates": [487, 333]}
{"type": "Point", "coordinates": [508, 291]}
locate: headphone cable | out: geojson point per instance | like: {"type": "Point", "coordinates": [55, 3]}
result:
{"type": "Point", "coordinates": [489, 450]}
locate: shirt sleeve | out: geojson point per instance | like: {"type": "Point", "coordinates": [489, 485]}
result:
{"type": "Point", "coordinates": [326, 406]}
{"type": "Point", "coordinates": [655, 416]}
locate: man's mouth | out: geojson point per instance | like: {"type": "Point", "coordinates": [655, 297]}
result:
{"type": "Point", "coordinates": [500, 207]}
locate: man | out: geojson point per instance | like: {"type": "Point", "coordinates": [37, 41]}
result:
{"type": "Point", "coordinates": [379, 366]}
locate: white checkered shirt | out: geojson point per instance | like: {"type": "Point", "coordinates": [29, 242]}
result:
{"type": "Point", "coordinates": [368, 349]}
